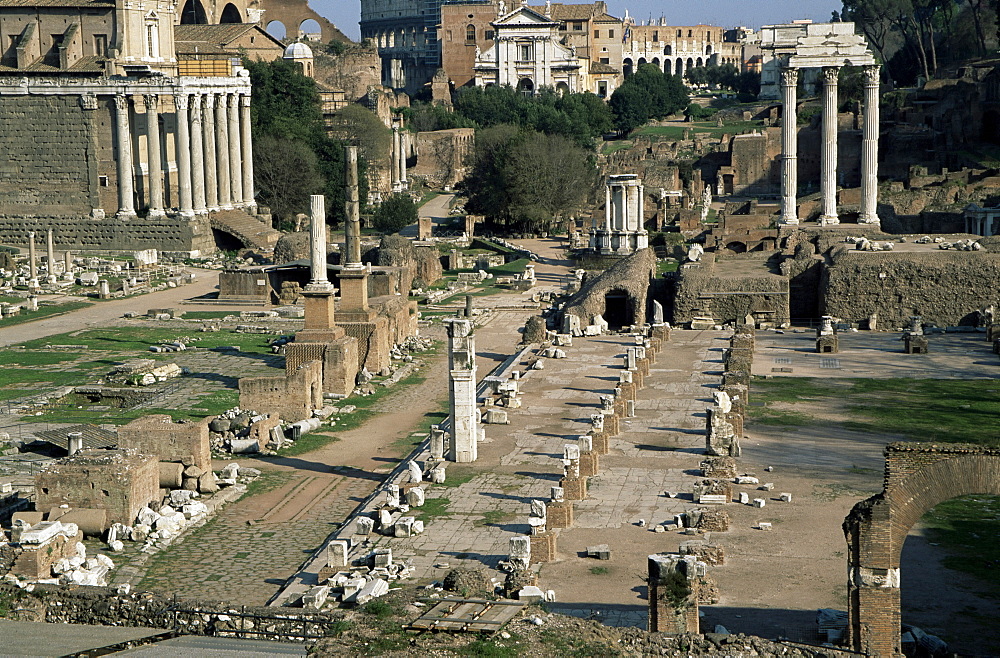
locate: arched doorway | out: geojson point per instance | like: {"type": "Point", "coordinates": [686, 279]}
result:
{"type": "Point", "coordinates": [526, 86]}
{"type": "Point", "coordinates": [193, 13]}
{"type": "Point", "coordinates": [618, 309]}
{"type": "Point", "coordinates": [690, 64]}
{"type": "Point", "coordinates": [230, 14]}
{"type": "Point", "coordinates": [310, 29]}
{"type": "Point", "coordinates": [919, 476]}
{"type": "Point", "coordinates": [642, 60]}
{"type": "Point", "coordinates": [562, 88]}
{"type": "Point", "coordinates": [276, 29]}
{"type": "Point", "coordinates": [656, 62]}
{"type": "Point", "coordinates": [680, 67]}
{"type": "Point", "coordinates": [627, 66]}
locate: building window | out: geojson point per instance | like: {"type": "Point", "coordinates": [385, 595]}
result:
{"type": "Point", "coordinates": [525, 52]}
{"type": "Point", "coordinates": [152, 41]}
{"type": "Point", "coordinates": [611, 34]}
{"type": "Point", "coordinates": [597, 34]}
{"type": "Point", "coordinates": [488, 35]}
{"type": "Point", "coordinates": [470, 33]}
{"type": "Point", "coordinates": [678, 32]}
{"type": "Point", "coordinates": [690, 33]}
{"type": "Point", "coordinates": [656, 36]}
{"type": "Point", "coordinates": [602, 89]}
{"type": "Point", "coordinates": [606, 60]}
{"type": "Point", "coordinates": [100, 45]}
{"type": "Point", "coordinates": [103, 181]}
{"type": "Point", "coordinates": [577, 27]}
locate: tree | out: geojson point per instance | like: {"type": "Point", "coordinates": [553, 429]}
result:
{"type": "Point", "coordinates": [528, 181]}
{"type": "Point", "coordinates": [395, 213]}
{"type": "Point", "coordinates": [631, 107]}
{"type": "Point", "coordinates": [361, 127]}
{"type": "Point", "coordinates": [286, 173]}
{"type": "Point", "coordinates": [647, 94]}
{"type": "Point", "coordinates": [286, 107]}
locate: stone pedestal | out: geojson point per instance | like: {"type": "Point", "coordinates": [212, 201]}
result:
{"type": "Point", "coordinates": [828, 344]}
{"type": "Point", "coordinates": [462, 391]}
{"type": "Point", "coordinates": [589, 463]}
{"type": "Point", "coordinates": [354, 289]}
{"type": "Point", "coordinates": [559, 514]}
{"type": "Point", "coordinates": [915, 344]}
{"type": "Point", "coordinates": [543, 547]}
{"type": "Point", "coordinates": [574, 488]}
{"type": "Point", "coordinates": [600, 442]}
{"type": "Point", "coordinates": [667, 615]}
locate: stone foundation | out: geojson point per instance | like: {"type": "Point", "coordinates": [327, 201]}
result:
{"type": "Point", "coordinates": [589, 463]}
{"type": "Point", "coordinates": [543, 547]}
{"type": "Point", "coordinates": [574, 488]}
{"type": "Point", "coordinates": [559, 514]}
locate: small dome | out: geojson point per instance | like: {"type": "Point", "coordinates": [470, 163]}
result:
{"type": "Point", "coordinates": [298, 50]}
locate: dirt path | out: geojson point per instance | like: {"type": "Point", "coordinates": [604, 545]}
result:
{"type": "Point", "coordinates": [100, 314]}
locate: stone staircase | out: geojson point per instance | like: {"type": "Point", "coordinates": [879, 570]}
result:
{"type": "Point", "coordinates": [253, 233]}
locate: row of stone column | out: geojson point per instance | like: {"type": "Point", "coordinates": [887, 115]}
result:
{"type": "Point", "coordinates": [828, 177]}
{"type": "Point", "coordinates": [214, 153]}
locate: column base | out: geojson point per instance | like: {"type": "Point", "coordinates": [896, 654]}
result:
{"type": "Point", "coordinates": [187, 214]}
{"type": "Point", "coordinates": [126, 214]}
{"type": "Point", "coordinates": [200, 211]}
{"type": "Point", "coordinates": [870, 219]}
{"type": "Point", "coordinates": [829, 220]}
{"type": "Point", "coordinates": [97, 213]}
{"type": "Point", "coordinates": [226, 206]}
{"type": "Point", "coordinates": [789, 221]}
{"type": "Point", "coordinates": [213, 209]}
{"type": "Point", "coordinates": [156, 213]}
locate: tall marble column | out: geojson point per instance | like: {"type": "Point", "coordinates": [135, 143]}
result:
{"type": "Point", "coordinates": [247, 145]}
{"type": "Point", "coordinates": [222, 153]}
{"type": "Point", "coordinates": [402, 160]}
{"type": "Point", "coordinates": [789, 147]}
{"type": "Point", "coordinates": [211, 169]}
{"type": "Point", "coordinates": [317, 249]}
{"type": "Point", "coordinates": [126, 171]}
{"type": "Point", "coordinates": [828, 175]}
{"type": "Point", "coordinates": [869, 149]}
{"type": "Point", "coordinates": [154, 171]}
{"type": "Point", "coordinates": [50, 252]}
{"type": "Point", "coordinates": [235, 175]}
{"type": "Point", "coordinates": [184, 155]}
{"type": "Point", "coordinates": [395, 157]}
{"type": "Point", "coordinates": [32, 264]}
{"type": "Point", "coordinates": [197, 156]}
{"type": "Point", "coordinates": [352, 225]}
{"type": "Point", "coordinates": [465, 433]}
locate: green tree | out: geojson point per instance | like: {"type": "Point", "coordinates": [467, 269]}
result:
{"type": "Point", "coordinates": [395, 213]}
{"type": "Point", "coordinates": [361, 127]}
{"type": "Point", "coordinates": [286, 172]}
{"type": "Point", "coordinates": [528, 181]}
{"type": "Point", "coordinates": [631, 107]}
{"type": "Point", "coordinates": [646, 94]}
{"type": "Point", "coordinates": [286, 106]}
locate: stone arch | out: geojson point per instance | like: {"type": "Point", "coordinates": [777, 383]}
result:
{"type": "Point", "coordinates": [737, 247]}
{"type": "Point", "coordinates": [562, 88]}
{"type": "Point", "coordinates": [679, 69]}
{"type": "Point", "coordinates": [918, 476]}
{"type": "Point", "coordinates": [627, 66]}
{"type": "Point", "coordinates": [642, 60]}
{"type": "Point", "coordinates": [230, 14]}
{"type": "Point", "coordinates": [708, 49]}
{"type": "Point", "coordinates": [668, 50]}
{"type": "Point", "coordinates": [700, 63]}
{"type": "Point", "coordinates": [619, 308]}
{"type": "Point", "coordinates": [526, 86]}
{"type": "Point", "coordinates": [310, 26]}
{"type": "Point", "coordinates": [656, 62]}
{"type": "Point", "coordinates": [277, 30]}
{"type": "Point", "coordinates": [193, 13]}
{"type": "Point", "coordinates": [690, 64]}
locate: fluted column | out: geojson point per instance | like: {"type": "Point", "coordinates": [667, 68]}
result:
{"type": "Point", "coordinates": [211, 170]}
{"type": "Point", "coordinates": [789, 147]}
{"type": "Point", "coordinates": [869, 149]}
{"type": "Point", "coordinates": [402, 160]}
{"type": "Point", "coordinates": [197, 156]}
{"type": "Point", "coordinates": [247, 145]}
{"type": "Point", "coordinates": [235, 175]}
{"type": "Point", "coordinates": [222, 153]}
{"type": "Point", "coordinates": [126, 171]}
{"type": "Point", "coordinates": [828, 180]}
{"type": "Point", "coordinates": [184, 155]}
{"type": "Point", "coordinates": [154, 171]}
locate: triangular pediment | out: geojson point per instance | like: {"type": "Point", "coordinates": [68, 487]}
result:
{"type": "Point", "coordinates": [524, 16]}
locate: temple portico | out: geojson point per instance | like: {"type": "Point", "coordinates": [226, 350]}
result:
{"type": "Point", "coordinates": [622, 231]}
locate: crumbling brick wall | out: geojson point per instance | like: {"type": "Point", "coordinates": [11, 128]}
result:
{"type": "Point", "coordinates": [158, 435]}
{"type": "Point", "coordinates": [703, 289]}
{"type": "Point", "coordinates": [918, 476]}
{"type": "Point", "coordinates": [116, 480]}
{"type": "Point", "coordinates": [292, 396]}
{"type": "Point", "coordinates": [631, 276]}
{"type": "Point", "coordinates": [945, 288]}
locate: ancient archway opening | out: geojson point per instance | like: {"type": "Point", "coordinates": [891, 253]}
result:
{"type": "Point", "coordinates": [230, 14]}
{"type": "Point", "coordinates": [193, 13]}
{"type": "Point", "coordinates": [617, 309]}
{"type": "Point", "coordinates": [226, 242]}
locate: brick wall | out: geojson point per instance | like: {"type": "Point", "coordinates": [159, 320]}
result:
{"type": "Point", "coordinates": [168, 441]}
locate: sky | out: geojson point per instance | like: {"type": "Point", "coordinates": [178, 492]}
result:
{"type": "Point", "coordinates": [724, 13]}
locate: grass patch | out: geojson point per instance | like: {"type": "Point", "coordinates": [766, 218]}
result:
{"type": "Point", "coordinates": [779, 417]}
{"type": "Point", "coordinates": [665, 266]}
{"type": "Point", "coordinates": [43, 312]}
{"type": "Point", "coordinates": [208, 315]}
{"type": "Point", "coordinates": [215, 403]}
{"type": "Point", "coordinates": [491, 648]}
{"type": "Point", "coordinates": [600, 571]}
{"type": "Point", "coordinates": [456, 476]}
{"type": "Point", "coordinates": [380, 609]}
{"type": "Point", "coordinates": [433, 508]}
{"type": "Point", "coordinates": [967, 527]}
{"type": "Point", "coordinates": [616, 145]}
{"type": "Point", "coordinates": [140, 338]}
{"type": "Point", "coordinates": [563, 644]}
{"type": "Point", "coordinates": [493, 517]}
{"type": "Point", "coordinates": [33, 359]}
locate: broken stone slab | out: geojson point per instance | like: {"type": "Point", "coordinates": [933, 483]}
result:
{"type": "Point", "coordinates": [352, 586]}
{"type": "Point", "coordinates": [316, 597]}
{"type": "Point", "coordinates": [520, 551]}
{"type": "Point", "coordinates": [601, 551]}
{"type": "Point", "coordinates": [415, 497]}
{"type": "Point", "coordinates": [786, 497]}
{"type": "Point", "coordinates": [767, 486]}
{"type": "Point", "coordinates": [416, 473]}
{"type": "Point", "coordinates": [759, 502]}
{"type": "Point", "coordinates": [744, 498]}
{"type": "Point", "coordinates": [494, 416]}
{"type": "Point", "coordinates": [372, 590]}
{"type": "Point", "coordinates": [746, 479]}
{"type": "Point", "coordinates": [244, 446]}
{"type": "Point", "coordinates": [438, 474]}
{"type": "Point", "coordinates": [364, 525]}
{"type": "Point", "coordinates": [403, 526]}
{"type": "Point", "coordinates": [336, 554]}
{"type": "Point", "coordinates": [382, 557]}
{"type": "Point", "coordinates": [531, 594]}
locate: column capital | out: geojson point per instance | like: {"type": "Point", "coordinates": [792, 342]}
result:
{"type": "Point", "coordinates": [830, 74]}
{"type": "Point", "coordinates": [872, 74]}
{"type": "Point", "coordinates": [181, 101]}
{"type": "Point", "coordinates": [234, 100]}
{"type": "Point", "coordinates": [121, 101]}
{"type": "Point", "coordinates": [210, 101]}
{"type": "Point", "coordinates": [245, 100]}
{"type": "Point", "coordinates": [789, 77]}
{"type": "Point", "coordinates": [152, 101]}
